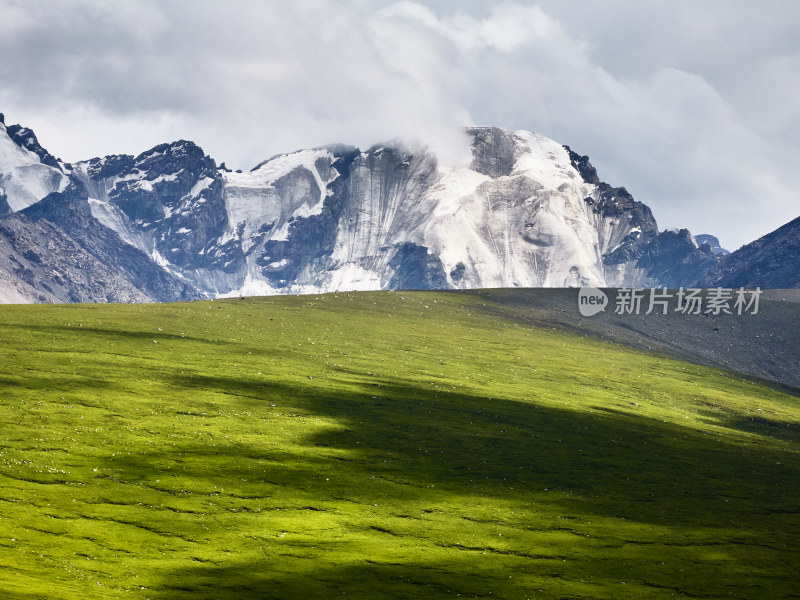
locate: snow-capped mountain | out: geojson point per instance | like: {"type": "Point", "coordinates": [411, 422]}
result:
{"type": "Point", "coordinates": [526, 211]}
{"type": "Point", "coordinates": [52, 249]}
{"type": "Point", "coordinates": [338, 218]}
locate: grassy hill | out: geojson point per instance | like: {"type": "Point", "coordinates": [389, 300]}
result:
{"type": "Point", "coordinates": [380, 445]}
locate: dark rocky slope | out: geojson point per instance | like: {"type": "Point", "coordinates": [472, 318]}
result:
{"type": "Point", "coordinates": [772, 261]}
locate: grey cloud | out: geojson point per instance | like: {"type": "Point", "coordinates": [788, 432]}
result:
{"type": "Point", "coordinates": [694, 107]}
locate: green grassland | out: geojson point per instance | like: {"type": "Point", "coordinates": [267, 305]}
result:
{"type": "Point", "coordinates": [380, 445]}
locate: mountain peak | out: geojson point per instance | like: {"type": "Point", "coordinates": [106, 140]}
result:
{"type": "Point", "coordinates": [713, 243]}
{"type": "Point", "coordinates": [494, 151]}
{"type": "Point", "coordinates": [25, 138]}
{"type": "Point", "coordinates": [174, 157]}
{"type": "Point", "coordinates": [28, 172]}
{"type": "Point", "coordinates": [583, 166]}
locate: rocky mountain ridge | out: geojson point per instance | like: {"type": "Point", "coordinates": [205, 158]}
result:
{"type": "Point", "coordinates": [170, 224]}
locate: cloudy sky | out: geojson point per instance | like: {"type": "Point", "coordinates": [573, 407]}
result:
{"type": "Point", "coordinates": [693, 105]}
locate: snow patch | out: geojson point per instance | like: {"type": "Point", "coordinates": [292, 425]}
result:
{"type": "Point", "coordinates": [454, 185]}
{"type": "Point", "coordinates": [351, 277]}
{"type": "Point", "coordinates": [281, 234]}
{"type": "Point", "coordinates": [112, 217]}
{"type": "Point", "coordinates": [250, 287]}
{"type": "Point", "coordinates": [158, 259]}
{"type": "Point", "coordinates": [200, 186]}
{"type": "Point", "coordinates": [545, 160]}
{"type": "Point", "coordinates": [277, 167]}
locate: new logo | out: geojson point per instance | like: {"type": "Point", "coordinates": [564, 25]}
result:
{"type": "Point", "coordinates": [591, 301]}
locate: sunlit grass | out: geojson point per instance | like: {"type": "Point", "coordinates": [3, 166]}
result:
{"type": "Point", "coordinates": [406, 445]}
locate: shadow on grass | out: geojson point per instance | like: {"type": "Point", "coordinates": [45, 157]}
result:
{"type": "Point", "coordinates": [614, 463]}
{"type": "Point", "coordinates": [430, 447]}
{"type": "Point", "coordinates": [367, 579]}
{"type": "Point", "coordinates": [766, 427]}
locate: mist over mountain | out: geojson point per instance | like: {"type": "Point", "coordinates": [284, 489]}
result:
{"type": "Point", "coordinates": [173, 224]}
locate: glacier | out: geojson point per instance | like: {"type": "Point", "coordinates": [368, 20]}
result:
{"type": "Point", "coordinates": [24, 178]}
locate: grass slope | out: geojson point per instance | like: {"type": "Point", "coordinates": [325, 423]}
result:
{"type": "Point", "coordinates": [379, 445]}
